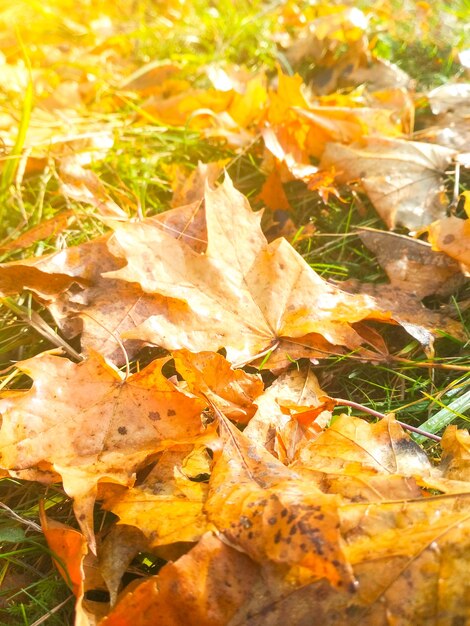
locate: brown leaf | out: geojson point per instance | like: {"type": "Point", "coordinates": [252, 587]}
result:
{"type": "Point", "coordinates": [291, 412]}
{"type": "Point", "coordinates": [120, 546]}
{"type": "Point", "coordinates": [452, 236]}
{"type": "Point", "coordinates": [403, 179]}
{"type": "Point", "coordinates": [242, 294]}
{"type": "Point", "coordinates": [411, 265]}
{"type": "Point", "coordinates": [210, 376]}
{"type": "Point", "coordinates": [167, 507]}
{"type": "Point", "coordinates": [77, 567]}
{"type": "Point", "coordinates": [48, 228]}
{"type": "Point", "coordinates": [420, 546]}
{"type": "Point", "coordinates": [353, 445]}
{"type": "Point", "coordinates": [420, 322]}
{"type": "Point", "coordinates": [106, 426]}
{"type": "Point", "coordinates": [209, 584]}
{"type": "Point", "coordinates": [455, 463]}
{"type": "Point", "coordinates": [84, 186]}
{"type": "Point", "coordinates": [270, 513]}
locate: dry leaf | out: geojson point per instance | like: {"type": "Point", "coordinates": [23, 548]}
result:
{"type": "Point", "coordinates": [167, 507]}
{"type": "Point", "coordinates": [291, 412]}
{"type": "Point", "coordinates": [403, 179]}
{"type": "Point", "coordinates": [209, 375]}
{"type": "Point", "coordinates": [76, 566]}
{"type": "Point", "coordinates": [421, 547]}
{"type": "Point", "coordinates": [107, 426]}
{"type": "Point", "coordinates": [225, 574]}
{"type": "Point", "coordinates": [242, 294]}
{"type": "Point", "coordinates": [84, 186]}
{"type": "Point", "coordinates": [452, 236]}
{"type": "Point", "coordinates": [411, 265]}
{"type": "Point", "coordinates": [267, 511]}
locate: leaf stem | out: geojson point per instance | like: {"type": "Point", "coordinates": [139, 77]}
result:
{"type": "Point", "coordinates": [365, 409]}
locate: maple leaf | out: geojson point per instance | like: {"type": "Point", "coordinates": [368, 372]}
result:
{"type": "Point", "coordinates": [356, 450]}
{"type": "Point", "coordinates": [168, 505]}
{"type": "Point", "coordinates": [452, 236]}
{"type": "Point", "coordinates": [422, 547]}
{"type": "Point", "coordinates": [293, 410]}
{"type": "Point", "coordinates": [212, 562]}
{"type": "Point", "coordinates": [77, 566]}
{"type": "Point", "coordinates": [84, 186]}
{"type": "Point", "coordinates": [210, 376]}
{"type": "Point", "coordinates": [242, 294]}
{"type": "Point", "coordinates": [411, 265]}
{"type": "Point", "coordinates": [107, 426]}
{"type": "Point", "coordinates": [269, 512]}
{"type": "Point", "coordinates": [403, 179]}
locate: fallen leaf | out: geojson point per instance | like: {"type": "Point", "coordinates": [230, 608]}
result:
{"type": "Point", "coordinates": [209, 563]}
{"type": "Point", "coordinates": [209, 375]}
{"type": "Point", "coordinates": [120, 546]}
{"type": "Point", "coordinates": [84, 186]}
{"type": "Point", "coordinates": [267, 511]}
{"type": "Point", "coordinates": [412, 265]}
{"type": "Point", "coordinates": [48, 228]}
{"type": "Point", "coordinates": [403, 179]}
{"type": "Point", "coordinates": [107, 426]}
{"type": "Point", "coordinates": [291, 412]}
{"type": "Point", "coordinates": [352, 445]}
{"type": "Point", "coordinates": [406, 309]}
{"type": "Point", "coordinates": [422, 547]}
{"type": "Point", "coordinates": [242, 294]}
{"type": "Point", "coordinates": [167, 507]}
{"type": "Point", "coordinates": [455, 463]}
{"type": "Point", "coordinates": [76, 566]}
{"type": "Point", "coordinates": [452, 236]}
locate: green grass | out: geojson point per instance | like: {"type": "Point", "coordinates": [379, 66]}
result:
{"type": "Point", "coordinates": [135, 173]}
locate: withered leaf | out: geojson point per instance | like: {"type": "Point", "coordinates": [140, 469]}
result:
{"type": "Point", "coordinates": [77, 566]}
{"type": "Point", "coordinates": [403, 179]}
{"type": "Point", "coordinates": [271, 513]}
{"type": "Point", "coordinates": [242, 294]}
{"type": "Point", "coordinates": [291, 412]}
{"type": "Point", "coordinates": [421, 547]}
{"type": "Point", "coordinates": [452, 236]}
{"type": "Point", "coordinates": [412, 265]}
{"type": "Point", "coordinates": [87, 424]}
{"type": "Point", "coordinates": [210, 375]}
{"type": "Point", "coordinates": [167, 506]}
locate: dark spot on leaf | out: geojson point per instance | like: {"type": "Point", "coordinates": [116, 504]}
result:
{"type": "Point", "coordinates": [354, 610]}
{"type": "Point", "coordinates": [353, 586]}
{"type": "Point", "coordinates": [272, 520]}
{"type": "Point", "coordinates": [82, 517]}
{"type": "Point", "coordinates": [293, 529]}
{"type": "Point", "coordinates": [245, 522]}
{"type": "Point", "coordinates": [154, 416]}
{"type": "Point", "coordinates": [122, 430]}
{"type": "Point", "coordinates": [320, 517]}
{"type": "Point", "coordinates": [448, 239]}
{"type": "Point", "coordinates": [170, 412]}
{"type": "Point", "coordinates": [283, 512]}
{"type": "Point", "coordinates": [250, 535]}
{"type": "Point", "coordinates": [277, 537]}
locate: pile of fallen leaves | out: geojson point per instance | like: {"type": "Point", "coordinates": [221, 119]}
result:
{"type": "Point", "coordinates": [222, 456]}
